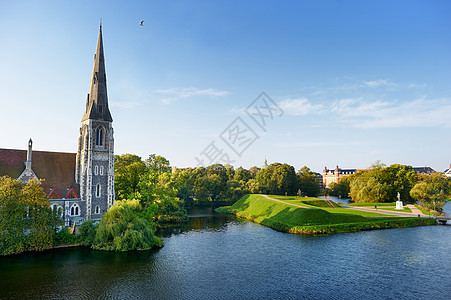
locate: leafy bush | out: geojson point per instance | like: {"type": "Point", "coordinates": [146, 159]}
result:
{"type": "Point", "coordinates": [87, 233]}
{"type": "Point", "coordinates": [65, 238]}
{"type": "Point", "coordinates": [123, 229]}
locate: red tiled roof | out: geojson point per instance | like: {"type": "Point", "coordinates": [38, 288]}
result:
{"type": "Point", "coordinates": [57, 168]}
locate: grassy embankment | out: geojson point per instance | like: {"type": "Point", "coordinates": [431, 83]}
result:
{"type": "Point", "coordinates": [316, 218]}
{"type": "Point", "coordinates": [426, 211]}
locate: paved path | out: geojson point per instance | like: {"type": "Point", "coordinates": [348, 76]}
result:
{"type": "Point", "coordinates": [288, 203]}
{"type": "Point", "coordinates": [387, 212]}
{"type": "Point", "coordinates": [415, 210]}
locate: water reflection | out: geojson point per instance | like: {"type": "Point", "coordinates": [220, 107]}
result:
{"type": "Point", "coordinates": [203, 218]}
{"type": "Point", "coordinates": [215, 257]}
{"type": "Point", "coordinates": [336, 199]}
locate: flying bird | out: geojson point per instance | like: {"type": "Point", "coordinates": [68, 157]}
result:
{"type": "Point", "coordinates": [142, 23]}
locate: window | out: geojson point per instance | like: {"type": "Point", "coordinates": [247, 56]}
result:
{"type": "Point", "coordinates": [58, 210]}
{"type": "Point", "coordinates": [99, 136]}
{"type": "Point", "coordinates": [75, 210]}
{"type": "Point", "coordinates": [101, 170]}
{"type": "Point", "coordinates": [98, 190]}
{"type": "Point", "coordinates": [96, 170]}
{"type": "Point", "coordinates": [97, 210]}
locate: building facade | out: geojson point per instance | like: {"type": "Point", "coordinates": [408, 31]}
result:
{"type": "Point", "coordinates": [95, 155]}
{"type": "Point", "coordinates": [334, 175]}
{"type": "Point", "coordinates": [79, 186]}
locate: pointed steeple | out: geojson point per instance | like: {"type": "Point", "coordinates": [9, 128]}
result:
{"type": "Point", "coordinates": [97, 101]}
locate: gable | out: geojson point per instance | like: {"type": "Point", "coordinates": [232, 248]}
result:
{"type": "Point", "coordinates": [57, 168]}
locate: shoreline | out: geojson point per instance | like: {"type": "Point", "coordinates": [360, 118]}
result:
{"type": "Point", "coordinates": [251, 206]}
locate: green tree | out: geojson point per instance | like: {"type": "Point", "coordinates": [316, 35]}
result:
{"type": "Point", "coordinates": [27, 222]}
{"type": "Point", "coordinates": [230, 171]}
{"type": "Point", "coordinates": [87, 233]}
{"type": "Point", "coordinates": [157, 163]}
{"type": "Point", "coordinates": [160, 189]}
{"type": "Point", "coordinates": [253, 171]}
{"type": "Point", "coordinates": [278, 179]}
{"type": "Point", "coordinates": [382, 184]}
{"type": "Point", "coordinates": [253, 186]}
{"type": "Point", "coordinates": [128, 168]}
{"type": "Point", "coordinates": [364, 187]}
{"type": "Point", "coordinates": [307, 182]}
{"type": "Point", "coordinates": [398, 178]}
{"type": "Point", "coordinates": [235, 190]}
{"type": "Point", "coordinates": [184, 184]}
{"type": "Point", "coordinates": [242, 174]}
{"type": "Point", "coordinates": [341, 189]}
{"type": "Point", "coordinates": [378, 165]}
{"type": "Point", "coordinates": [438, 180]}
{"type": "Point", "coordinates": [123, 228]}
{"type": "Point", "coordinates": [429, 196]}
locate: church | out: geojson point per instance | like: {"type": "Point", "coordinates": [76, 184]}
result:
{"type": "Point", "coordinates": [79, 186]}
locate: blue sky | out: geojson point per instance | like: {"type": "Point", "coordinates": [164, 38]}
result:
{"type": "Point", "coordinates": [351, 82]}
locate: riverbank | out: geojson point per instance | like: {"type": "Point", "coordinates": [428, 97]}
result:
{"type": "Point", "coordinates": [313, 216]}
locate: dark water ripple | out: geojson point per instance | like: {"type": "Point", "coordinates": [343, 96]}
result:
{"type": "Point", "coordinates": [215, 257]}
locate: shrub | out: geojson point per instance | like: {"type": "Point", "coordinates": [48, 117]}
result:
{"type": "Point", "coordinates": [123, 229]}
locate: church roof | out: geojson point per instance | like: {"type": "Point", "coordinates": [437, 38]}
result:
{"type": "Point", "coordinates": [57, 168]}
{"type": "Point", "coordinates": [97, 100]}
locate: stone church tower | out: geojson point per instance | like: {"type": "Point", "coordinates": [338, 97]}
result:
{"type": "Point", "coordinates": [95, 155]}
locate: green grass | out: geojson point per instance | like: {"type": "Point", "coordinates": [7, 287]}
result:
{"type": "Point", "coordinates": [426, 211]}
{"type": "Point", "coordinates": [313, 202]}
{"type": "Point", "coordinates": [422, 209]}
{"type": "Point", "coordinates": [305, 201]}
{"type": "Point", "coordinates": [312, 220]}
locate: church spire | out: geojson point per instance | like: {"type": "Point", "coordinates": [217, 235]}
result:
{"type": "Point", "coordinates": [97, 100]}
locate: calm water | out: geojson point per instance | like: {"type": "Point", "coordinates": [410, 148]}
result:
{"type": "Point", "coordinates": [219, 257]}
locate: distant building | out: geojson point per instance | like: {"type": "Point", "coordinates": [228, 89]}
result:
{"type": "Point", "coordinates": [334, 175]}
{"type": "Point", "coordinates": [265, 164]}
{"type": "Point", "coordinates": [319, 180]}
{"type": "Point", "coordinates": [424, 170]}
{"type": "Point", "coordinates": [448, 171]}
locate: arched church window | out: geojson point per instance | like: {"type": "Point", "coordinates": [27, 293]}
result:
{"type": "Point", "coordinates": [96, 170]}
{"type": "Point", "coordinates": [58, 210]}
{"type": "Point", "coordinates": [99, 136]}
{"type": "Point", "coordinates": [97, 210]}
{"type": "Point", "coordinates": [75, 210]}
{"type": "Point", "coordinates": [98, 190]}
{"type": "Point", "coordinates": [101, 170]}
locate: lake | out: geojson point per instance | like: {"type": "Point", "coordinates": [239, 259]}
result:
{"type": "Point", "coordinates": [220, 257]}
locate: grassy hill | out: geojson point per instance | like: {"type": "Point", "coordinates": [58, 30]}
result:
{"type": "Point", "coordinates": [315, 217]}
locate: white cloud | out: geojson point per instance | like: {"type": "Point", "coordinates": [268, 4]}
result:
{"type": "Point", "coordinates": [299, 107]}
{"type": "Point", "coordinates": [351, 107]}
{"type": "Point", "coordinates": [381, 114]}
{"type": "Point", "coordinates": [182, 93]}
{"type": "Point", "coordinates": [378, 83]}
{"type": "Point", "coordinates": [363, 113]}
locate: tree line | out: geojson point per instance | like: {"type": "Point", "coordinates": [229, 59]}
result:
{"type": "Point", "coordinates": [151, 179]}
{"type": "Point", "coordinates": [381, 184]}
